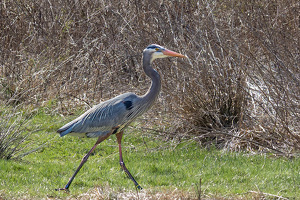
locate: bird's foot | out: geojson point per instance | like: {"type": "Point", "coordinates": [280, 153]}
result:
{"type": "Point", "coordinates": [63, 189]}
{"type": "Point", "coordinates": [138, 187]}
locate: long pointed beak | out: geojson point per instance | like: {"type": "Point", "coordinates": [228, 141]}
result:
{"type": "Point", "coordinates": [172, 53]}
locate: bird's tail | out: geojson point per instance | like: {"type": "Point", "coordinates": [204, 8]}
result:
{"type": "Point", "coordinates": [65, 129]}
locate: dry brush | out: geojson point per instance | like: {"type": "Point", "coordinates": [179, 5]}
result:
{"type": "Point", "coordinates": [239, 87]}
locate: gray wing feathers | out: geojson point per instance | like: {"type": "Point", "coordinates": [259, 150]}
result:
{"type": "Point", "coordinates": [102, 117]}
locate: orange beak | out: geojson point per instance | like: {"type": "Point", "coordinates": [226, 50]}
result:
{"type": "Point", "coordinates": [172, 53]}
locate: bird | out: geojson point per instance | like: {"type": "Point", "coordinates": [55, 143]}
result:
{"type": "Point", "coordinates": [111, 117]}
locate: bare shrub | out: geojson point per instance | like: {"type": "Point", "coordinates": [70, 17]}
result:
{"type": "Point", "coordinates": [243, 80]}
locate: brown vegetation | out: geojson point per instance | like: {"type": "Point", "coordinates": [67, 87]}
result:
{"type": "Point", "coordinates": [239, 87]}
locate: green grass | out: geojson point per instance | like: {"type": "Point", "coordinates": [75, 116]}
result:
{"type": "Point", "coordinates": [156, 164]}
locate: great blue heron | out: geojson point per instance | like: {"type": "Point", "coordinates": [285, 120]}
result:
{"type": "Point", "coordinates": [112, 116]}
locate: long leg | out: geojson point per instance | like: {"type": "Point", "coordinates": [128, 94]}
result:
{"type": "Point", "coordinates": [85, 158]}
{"type": "Point", "coordinates": [119, 138]}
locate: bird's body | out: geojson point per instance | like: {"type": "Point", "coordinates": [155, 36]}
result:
{"type": "Point", "coordinates": [102, 118]}
{"type": "Point", "coordinates": [112, 116]}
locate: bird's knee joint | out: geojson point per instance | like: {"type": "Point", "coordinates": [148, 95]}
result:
{"type": "Point", "coordinates": [84, 159]}
{"type": "Point", "coordinates": [122, 164]}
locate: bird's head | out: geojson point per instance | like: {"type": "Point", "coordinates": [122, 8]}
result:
{"type": "Point", "coordinates": [156, 51]}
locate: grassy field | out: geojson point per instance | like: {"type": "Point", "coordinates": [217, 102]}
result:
{"type": "Point", "coordinates": [166, 168]}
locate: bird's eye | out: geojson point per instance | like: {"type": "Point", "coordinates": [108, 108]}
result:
{"type": "Point", "coordinates": [156, 49]}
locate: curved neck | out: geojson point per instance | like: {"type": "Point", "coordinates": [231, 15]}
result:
{"type": "Point", "coordinates": [154, 90]}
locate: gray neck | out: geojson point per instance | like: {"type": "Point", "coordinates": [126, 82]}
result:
{"type": "Point", "coordinates": [154, 90]}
